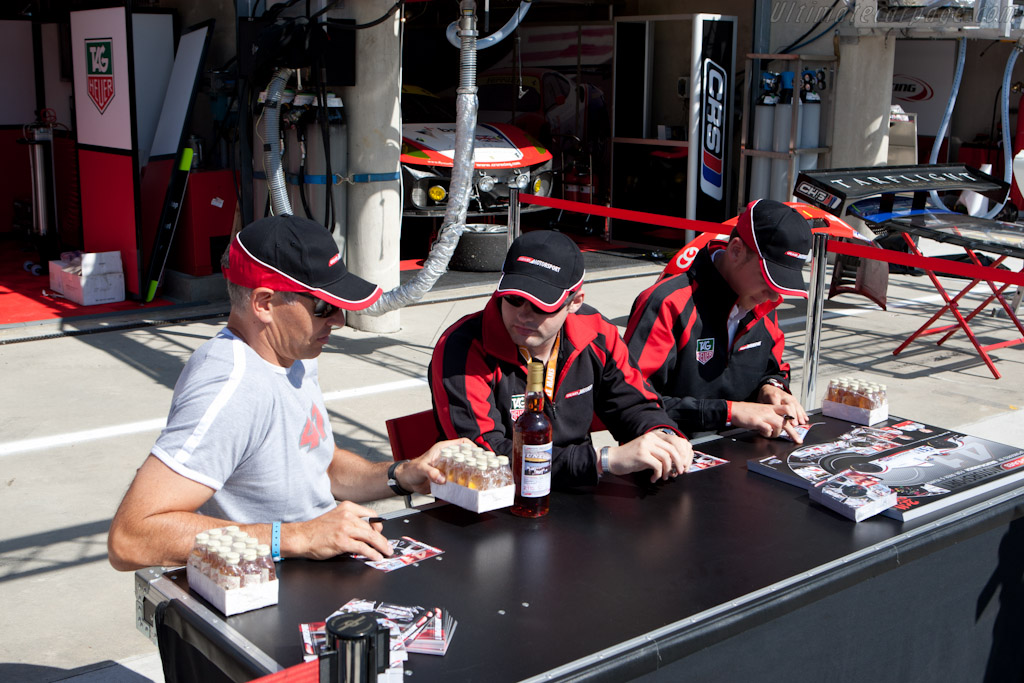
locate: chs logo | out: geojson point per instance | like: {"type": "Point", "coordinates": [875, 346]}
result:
{"type": "Point", "coordinates": [817, 195]}
{"type": "Point", "coordinates": [713, 133]}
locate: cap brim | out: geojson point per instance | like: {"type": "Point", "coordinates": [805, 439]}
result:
{"type": "Point", "coordinates": [350, 292]}
{"type": "Point", "coordinates": [785, 281]}
{"type": "Point", "coordinates": [544, 296]}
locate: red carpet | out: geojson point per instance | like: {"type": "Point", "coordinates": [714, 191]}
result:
{"type": "Point", "coordinates": [21, 293]}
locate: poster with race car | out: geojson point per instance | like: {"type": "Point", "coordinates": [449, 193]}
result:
{"type": "Point", "coordinates": [928, 468]}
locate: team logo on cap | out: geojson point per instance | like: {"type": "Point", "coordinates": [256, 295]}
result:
{"type": "Point", "coordinates": [705, 350]}
{"type": "Point", "coordinates": [334, 259]}
{"type": "Point", "coordinates": [802, 257]}
{"type": "Point", "coordinates": [538, 262]}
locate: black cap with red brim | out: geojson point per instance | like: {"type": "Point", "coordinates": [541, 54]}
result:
{"type": "Point", "coordinates": [293, 254]}
{"type": "Point", "coordinates": [781, 238]}
{"type": "Point", "coordinates": [543, 267]}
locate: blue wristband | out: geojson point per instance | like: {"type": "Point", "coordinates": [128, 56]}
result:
{"type": "Point", "coordinates": [275, 541]}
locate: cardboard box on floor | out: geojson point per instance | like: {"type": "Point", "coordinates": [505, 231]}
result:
{"type": "Point", "coordinates": [100, 282]}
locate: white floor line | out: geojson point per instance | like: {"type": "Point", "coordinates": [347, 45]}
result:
{"type": "Point", "coordinates": [901, 303]}
{"type": "Point", "coordinates": [57, 440]}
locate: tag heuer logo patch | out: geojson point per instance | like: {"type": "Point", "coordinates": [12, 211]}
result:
{"type": "Point", "coordinates": [517, 406]}
{"type": "Point", "coordinates": [705, 350]}
{"type": "Point", "coordinates": [99, 71]}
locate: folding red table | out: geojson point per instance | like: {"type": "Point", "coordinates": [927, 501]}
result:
{"type": "Point", "coordinates": [973, 235]}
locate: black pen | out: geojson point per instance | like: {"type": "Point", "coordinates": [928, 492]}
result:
{"type": "Point", "coordinates": [373, 520]}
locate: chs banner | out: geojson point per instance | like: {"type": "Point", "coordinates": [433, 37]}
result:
{"type": "Point", "coordinates": [714, 164]}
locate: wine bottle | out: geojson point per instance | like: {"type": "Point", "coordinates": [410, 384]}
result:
{"type": "Point", "coordinates": [531, 450]}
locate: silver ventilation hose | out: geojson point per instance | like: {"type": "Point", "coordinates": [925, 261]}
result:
{"type": "Point", "coordinates": [511, 25]}
{"type": "Point", "coordinates": [462, 177]}
{"type": "Point", "coordinates": [280, 205]}
{"type": "Point", "coordinates": [1005, 118]}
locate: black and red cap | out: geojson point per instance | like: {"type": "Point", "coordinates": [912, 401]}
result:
{"type": "Point", "coordinates": [293, 254]}
{"type": "Point", "coordinates": [544, 267]}
{"type": "Point", "coordinates": [781, 238]}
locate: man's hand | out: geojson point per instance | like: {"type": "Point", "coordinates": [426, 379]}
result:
{"type": "Point", "coordinates": [342, 530]}
{"type": "Point", "coordinates": [766, 420]}
{"type": "Point", "coordinates": [416, 474]}
{"type": "Point", "coordinates": [668, 455]}
{"type": "Point", "coordinates": [775, 396]}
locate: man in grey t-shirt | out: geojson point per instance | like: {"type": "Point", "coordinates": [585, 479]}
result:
{"type": "Point", "coordinates": [247, 440]}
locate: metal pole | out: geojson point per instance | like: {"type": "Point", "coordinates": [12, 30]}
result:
{"type": "Point", "coordinates": [513, 214]}
{"type": "Point", "coordinates": [812, 334]}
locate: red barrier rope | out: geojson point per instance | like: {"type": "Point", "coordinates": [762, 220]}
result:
{"type": "Point", "coordinates": [626, 214]}
{"type": "Point", "coordinates": [935, 264]}
{"type": "Point", "coordinates": [848, 248]}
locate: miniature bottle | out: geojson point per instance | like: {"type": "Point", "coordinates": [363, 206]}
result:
{"type": "Point", "coordinates": [216, 554]}
{"type": "Point", "coordinates": [268, 572]}
{"type": "Point", "coordinates": [230, 572]}
{"type": "Point", "coordinates": [252, 573]}
{"type": "Point", "coordinates": [457, 470]}
{"type": "Point", "coordinates": [506, 471]}
{"type": "Point", "coordinates": [531, 450]}
{"type": "Point", "coordinates": [195, 558]}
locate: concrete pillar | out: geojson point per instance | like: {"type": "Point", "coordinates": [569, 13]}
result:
{"type": "Point", "coordinates": [863, 93]}
{"type": "Point", "coordinates": [375, 143]}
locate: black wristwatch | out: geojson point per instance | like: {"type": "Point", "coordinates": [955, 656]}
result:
{"type": "Point", "coordinates": [393, 481]}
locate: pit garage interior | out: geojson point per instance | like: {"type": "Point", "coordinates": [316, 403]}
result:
{"type": "Point", "coordinates": [601, 95]}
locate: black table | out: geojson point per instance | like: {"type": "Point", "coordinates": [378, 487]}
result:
{"type": "Point", "coordinates": [719, 575]}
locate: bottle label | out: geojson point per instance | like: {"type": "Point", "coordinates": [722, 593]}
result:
{"type": "Point", "coordinates": [230, 582]}
{"type": "Point", "coordinates": [536, 481]}
{"type": "Point", "coordinates": [251, 579]}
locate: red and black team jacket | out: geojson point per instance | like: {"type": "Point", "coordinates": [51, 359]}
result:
{"type": "Point", "coordinates": [478, 383]}
{"type": "Point", "coordinates": [677, 333]}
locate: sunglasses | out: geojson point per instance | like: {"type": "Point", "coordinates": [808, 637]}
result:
{"type": "Point", "coordinates": [321, 308]}
{"type": "Point", "coordinates": [518, 301]}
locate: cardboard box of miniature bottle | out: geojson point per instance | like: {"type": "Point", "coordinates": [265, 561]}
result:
{"type": "Point", "coordinates": [472, 499]}
{"type": "Point", "coordinates": [861, 416]}
{"type": "Point", "coordinates": [236, 600]}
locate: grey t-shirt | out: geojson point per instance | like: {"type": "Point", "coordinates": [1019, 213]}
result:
{"type": "Point", "coordinates": [254, 432]}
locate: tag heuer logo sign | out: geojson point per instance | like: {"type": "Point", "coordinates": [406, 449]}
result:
{"type": "Point", "coordinates": [99, 71]}
{"type": "Point", "coordinates": [705, 350]}
{"type": "Point", "coordinates": [517, 406]}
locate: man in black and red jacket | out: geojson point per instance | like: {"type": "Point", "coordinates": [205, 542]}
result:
{"type": "Point", "coordinates": [478, 371]}
{"type": "Point", "coordinates": [709, 340]}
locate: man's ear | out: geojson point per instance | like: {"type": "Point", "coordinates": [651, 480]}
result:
{"type": "Point", "coordinates": [577, 301]}
{"type": "Point", "coordinates": [261, 302]}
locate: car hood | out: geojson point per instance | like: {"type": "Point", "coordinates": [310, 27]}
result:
{"type": "Point", "coordinates": [497, 146]}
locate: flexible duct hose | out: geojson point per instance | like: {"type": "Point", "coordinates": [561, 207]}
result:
{"type": "Point", "coordinates": [1005, 112]}
{"type": "Point", "coordinates": [961, 55]}
{"type": "Point", "coordinates": [497, 36]}
{"type": "Point", "coordinates": [454, 223]}
{"type": "Point", "coordinates": [279, 202]}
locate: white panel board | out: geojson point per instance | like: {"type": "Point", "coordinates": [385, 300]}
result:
{"type": "Point", "coordinates": [99, 50]}
{"type": "Point", "coordinates": [187, 63]}
{"type": "Point", "coordinates": [922, 80]}
{"type": "Point", "coordinates": [153, 44]}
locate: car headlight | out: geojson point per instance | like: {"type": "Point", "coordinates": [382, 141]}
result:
{"type": "Point", "coordinates": [437, 193]}
{"type": "Point", "coordinates": [486, 183]}
{"type": "Point", "coordinates": [521, 181]}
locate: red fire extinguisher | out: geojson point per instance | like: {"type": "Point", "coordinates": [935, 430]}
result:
{"type": "Point", "coordinates": [579, 185]}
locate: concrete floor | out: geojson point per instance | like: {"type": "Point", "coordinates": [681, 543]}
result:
{"type": "Point", "coordinates": [79, 413]}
